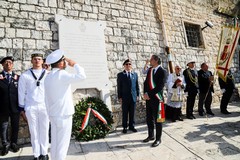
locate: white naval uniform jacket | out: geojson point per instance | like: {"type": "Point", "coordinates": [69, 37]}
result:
{"type": "Point", "coordinates": [29, 94]}
{"type": "Point", "coordinates": [58, 91]}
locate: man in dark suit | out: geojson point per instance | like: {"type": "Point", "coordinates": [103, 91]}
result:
{"type": "Point", "coordinates": [128, 92]}
{"type": "Point", "coordinates": [205, 82]}
{"type": "Point", "coordinates": [190, 76]}
{"type": "Point", "coordinates": [227, 88]}
{"type": "Point", "coordinates": [9, 105]}
{"type": "Point", "coordinates": [153, 94]}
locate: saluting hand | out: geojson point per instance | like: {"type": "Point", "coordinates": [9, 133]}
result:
{"type": "Point", "coordinates": [70, 62]}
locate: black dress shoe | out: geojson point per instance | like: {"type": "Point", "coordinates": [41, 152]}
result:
{"type": "Point", "coordinates": [189, 117]}
{"type": "Point", "coordinates": [133, 129]}
{"type": "Point", "coordinates": [148, 139]}
{"type": "Point", "coordinates": [156, 143]}
{"type": "Point", "coordinates": [36, 158]}
{"type": "Point", "coordinates": [200, 113]}
{"type": "Point", "coordinates": [14, 147]}
{"type": "Point", "coordinates": [193, 117]}
{"type": "Point", "coordinates": [210, 113]}
{"type": "Point", "coordinates": [180, 119]}
{"type": "Point", "coordinates": [45, 157]}
{"type": "Point", "coordinates": [225, 112]}
{"type": "Point", "coordinates": [124, 130]}
{"type": "Point", "coordinates": [5, 149]}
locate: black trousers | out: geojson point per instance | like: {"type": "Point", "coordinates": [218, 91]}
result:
{"type": "Point", "coordinates": [207, 103]}
{"type": "Point", "coordinates": [128, 112]}
{"type": "Point", "coordinates": [190, 103]}
{"type": "Point", "coordinates": [152, 112]}
{"type": "Point", "coordinates": [225, 99]}
{"type": "Point", "coordinates": [4, 123]}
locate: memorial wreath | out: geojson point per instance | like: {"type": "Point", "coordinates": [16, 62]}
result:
{"type": "Point", "coordinates": [87, 126]}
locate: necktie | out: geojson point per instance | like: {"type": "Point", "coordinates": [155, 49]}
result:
{"type": "Point", "coordinates": [9, 77]}
{"type": "Point", "coordinates": [154, 71]}
{"type": "Point", "coordinates": [129, 75]}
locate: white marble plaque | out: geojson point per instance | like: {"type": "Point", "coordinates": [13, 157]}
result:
{"type": "Point", "coordinates": [84, 42]}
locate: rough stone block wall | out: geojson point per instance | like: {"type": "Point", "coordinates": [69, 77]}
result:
{"type": "Point", "coordinates": [132, 31]}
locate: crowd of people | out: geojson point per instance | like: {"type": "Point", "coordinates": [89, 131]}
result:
{"type": "Point", "coordinates": [41, 97]}
{"type": "Point", "coordinates": [189, 83]}
{"type": "Point", "coordinates": [44, 97]}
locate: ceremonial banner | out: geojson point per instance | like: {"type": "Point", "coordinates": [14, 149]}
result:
{"type": "Point", "coordinates": [228, 43]}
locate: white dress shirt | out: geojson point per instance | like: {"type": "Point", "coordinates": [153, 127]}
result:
{"type": "Point", "coordinates": [58, 91]}
{"type": "Point", "coordinates": [29, 94]}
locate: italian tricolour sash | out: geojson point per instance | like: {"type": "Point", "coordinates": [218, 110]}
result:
{"type": "Point", "coordinates": [161, 112]}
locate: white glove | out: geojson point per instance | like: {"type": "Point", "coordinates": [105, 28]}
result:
{"type": "Point", "coordinates": [223, 90]}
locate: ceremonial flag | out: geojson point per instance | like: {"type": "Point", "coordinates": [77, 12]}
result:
{"type": "Point", "coordinates": [228, 43]}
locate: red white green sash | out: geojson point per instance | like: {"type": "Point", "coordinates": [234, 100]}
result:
{"type": "Point", "coordinates": [161, 111]}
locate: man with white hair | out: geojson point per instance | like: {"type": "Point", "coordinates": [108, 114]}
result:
{"type": "Point", "coordinates": [31, 101]}
{"type": "Point", "coordinates": [59, 101]}
{"type": "Point", "coordinates": [176, 85]}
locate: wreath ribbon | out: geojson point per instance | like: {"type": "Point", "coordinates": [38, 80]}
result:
{"type": "Point", "coordinates": [87, 116]}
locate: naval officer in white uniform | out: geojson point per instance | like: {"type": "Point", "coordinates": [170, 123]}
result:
{"type": "Point", "coordinates": [31, 100]}
{"type": "Point", "coordinates": [59, 101]}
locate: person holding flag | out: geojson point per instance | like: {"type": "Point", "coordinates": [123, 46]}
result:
{"type": "Point", "coordinates": [153, 94]}
{"type": "Point", "coordinates": [227, 88]}
{"type": "Point", "coordinates": [228, 43]}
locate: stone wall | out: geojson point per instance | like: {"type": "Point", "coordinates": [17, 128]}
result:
{"type": "Point", "coordinates": [132, 31]}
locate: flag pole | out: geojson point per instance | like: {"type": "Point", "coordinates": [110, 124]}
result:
{"type": "Point", "coordinates": [158, 6]}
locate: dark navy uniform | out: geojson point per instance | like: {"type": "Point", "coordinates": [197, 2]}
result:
{"type": "Point", "coordinates": [192, 88]}
{"type": "Point", "coordinates": [128, 91]}
{"type": "Point", "coordinates": [205, 87]}
{"type": "Point", "coordinates": [228, 88]}
{"type": "Point", "coordinates": [9, 107]}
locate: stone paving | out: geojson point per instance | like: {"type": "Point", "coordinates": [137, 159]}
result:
{"type": "Point", "coordinates": [205, 138]}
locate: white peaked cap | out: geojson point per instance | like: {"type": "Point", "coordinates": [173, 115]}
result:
{"type": "Point", "coordinates": [54, 56]}
{"type": "Point", "coordinates": [193, 59]}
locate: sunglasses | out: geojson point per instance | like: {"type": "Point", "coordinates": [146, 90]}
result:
{"type": "Point", "coordinates": [129, 64]}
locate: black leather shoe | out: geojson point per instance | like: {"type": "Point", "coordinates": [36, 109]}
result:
{"type": "Point", "coordinates": [133, 129]}
{"type": "Point", "coordinates": [200, 113]}
{"type": "Point", "coordinates": [189, 117]}
{"type": "Point", "coordinates": [210, 113]}
{"type": "Point", "coordinates": [156, 143]}
{"type": "Point", "coordinates": [14, 147]}
{"type": "Point", "coordinates": [148, 139]}
{"type": "Point", "coordinates": [225, 112]}
{"type": "Point", "coordinates": [124, 130]}
{"type": "Point", "coordinates": [5, 149]}
{"type": "Point", "coordinates": [193, 117]}
{"type": "Point", "coordinates": [36, 158]}
{"type": "Point", "coordinates": [180, 119]}
{"type": "Point", "coordinates": [43, 157]}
